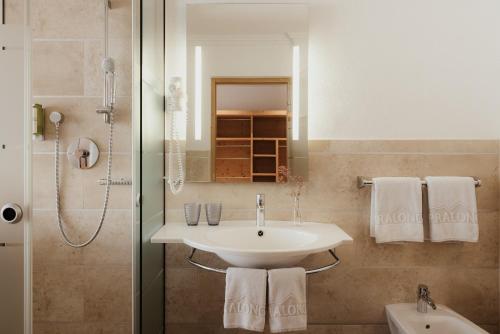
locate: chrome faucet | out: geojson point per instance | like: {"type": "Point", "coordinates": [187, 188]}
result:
{"type": "Point", "coordinates": [424, 299]}
{"type": "Point", "coordinates": [261, 220]}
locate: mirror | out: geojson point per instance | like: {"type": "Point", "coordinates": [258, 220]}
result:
{"type": "Point", "coordinates": [244, 69]}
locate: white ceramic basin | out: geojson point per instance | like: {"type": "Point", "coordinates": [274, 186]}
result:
{"type": "Point", "coordinates": [239, 243]}
{"type": "Point", "coordinates": [404, 319]}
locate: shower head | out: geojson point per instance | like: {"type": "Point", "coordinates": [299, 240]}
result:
{"type": "Point", "coordinates": [108, 65]}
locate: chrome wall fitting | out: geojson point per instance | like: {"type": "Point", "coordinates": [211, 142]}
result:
{"type": "Point", "coordinates": [83, 153]}
{"type": "Point", "coordinates": [106, 111]}
{"type": "Point", "coordinates": [11, 213]}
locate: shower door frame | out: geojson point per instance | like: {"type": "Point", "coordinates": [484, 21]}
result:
{"type": "Point", "coordinates": [27, 165]}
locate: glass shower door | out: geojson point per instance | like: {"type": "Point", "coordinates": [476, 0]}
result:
{"type": "Point", "coordinates": [152, 190]}
{"type": "Point", "coordinates": [12, 177]}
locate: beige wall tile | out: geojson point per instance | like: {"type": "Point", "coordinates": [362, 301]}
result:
{"type": "Point", "coordinates": [59, 328]}
{"type": "Point", "coordinates": [331, 196]}
{"type": "Point", "coordinates": [79, 188]}
{"type": "Point", "coordinates": [112, 245]}
{"type": "Point", "coordinates": [357, 293]}
{"type": "Point", "coordinates": [81, 328]}
{"type": "Point", "coordinates": [67, 18]}
{"type": "Point", "coordinates": [492, 329]}
{"type": "Point", "coordinates": [81, 120]}
{"type": "Point", "coordinates": [121, 51]}
{"type": "Point", "coordinates": [14, 11]}
{"type": "Point", "coordinates": [471, 292]}
{"type": "Point", "coordinates": [58, 293]}
{"type": "Point", "coordinates": [94, 53]}
{"type": "Point", "coordinates": [107, 328]}
{"type": "Point", "coordinates": [94, 286]}
{"type": "Point", "coordinates": [57, 68]}
{"type": "Point", "coordinates": [48, 245]}
{"type": "Point", "coordinates": [71, 185]}
{"type": "Point", "coordinates": [483, 254]}
{"type": "Point", "coordinates": [120, 196]}
{"type": "Point", "coordinates": [176, 255]}
{"type": "Point", "coordinates": [107, 293]}
{"type": "Point", "coordinates": [120, 19]}
{"type": "Point", "coordinates": [194, 296]}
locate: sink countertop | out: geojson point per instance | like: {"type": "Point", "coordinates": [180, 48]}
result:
{"type": "Point", "coordinates": [243, 244]}
{"type": "Point", "coordinates": [176, 233]}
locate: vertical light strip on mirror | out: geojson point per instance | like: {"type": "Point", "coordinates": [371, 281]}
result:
{"type": "Point", "coordinates": [296, 92]}
{"type": "Point", "coordinates": [197, 92]}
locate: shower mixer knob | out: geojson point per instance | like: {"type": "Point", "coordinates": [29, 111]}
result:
{"type": "Point", "coordinates": [83, 153]}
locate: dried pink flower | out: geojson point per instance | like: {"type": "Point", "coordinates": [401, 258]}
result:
{"type": "Point", "coordinates": [285, 175]}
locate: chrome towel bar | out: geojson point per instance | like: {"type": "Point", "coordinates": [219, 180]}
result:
{"type": "Point", "coordinates": [364, 181]}
{"type": "Point", "coordinates": [223, 271]}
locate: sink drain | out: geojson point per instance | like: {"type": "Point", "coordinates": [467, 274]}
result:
{"type": "Point", "coordinates": [260, 233]}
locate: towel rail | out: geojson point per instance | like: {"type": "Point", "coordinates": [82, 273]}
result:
{"type": "Point", "coordinates": [364, 181]}
{"type": "Point", "coordinates": [223, 271]}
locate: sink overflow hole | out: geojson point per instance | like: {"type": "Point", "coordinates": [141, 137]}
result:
{"type": "Point", "coordinates": [260, 233]}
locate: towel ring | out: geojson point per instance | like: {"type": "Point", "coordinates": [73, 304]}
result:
{"type": "Point", "coordinates": [223, 271]}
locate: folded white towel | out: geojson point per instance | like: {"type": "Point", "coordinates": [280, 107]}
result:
{"type": "Point", "coordinates": [452, 209]}
{"type": "Point", "coordinates": [287, 300]}
{"type": "Point", "coordinates": [396, 209]}
{"type": "Point", "coordinates": [245, 304]}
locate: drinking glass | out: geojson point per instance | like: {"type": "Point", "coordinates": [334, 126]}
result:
{"type": "Point", "coordinates": [192, 213]}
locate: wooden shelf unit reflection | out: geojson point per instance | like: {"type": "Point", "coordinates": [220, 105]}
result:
{"type": "Point", "coordinates": [250, 146]}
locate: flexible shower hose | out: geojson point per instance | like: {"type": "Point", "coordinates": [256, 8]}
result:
{"type": "Point", "coordinates": [175, 185]}
{"type": "Point", "coordinates": [106, 195]}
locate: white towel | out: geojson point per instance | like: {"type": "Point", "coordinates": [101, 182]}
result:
{"type": "Point", "coordinates": [287, 300]}
{"type": "Point", "coordinates": [452, 209]}
{"type": "Point", "coordinates": [245, 304]}
{"type": "Point", "coordinates": [396, 209]}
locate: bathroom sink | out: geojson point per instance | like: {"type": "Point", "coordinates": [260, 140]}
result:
{"type": "Point", "coordinates": [404, 319]}
{"type": "Point", "coordinates": [243, 244]}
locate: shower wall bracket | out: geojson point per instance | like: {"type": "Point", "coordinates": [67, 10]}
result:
{"type": "Point", "coordinates": [116, 182]}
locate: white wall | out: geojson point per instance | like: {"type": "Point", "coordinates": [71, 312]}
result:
{"type": "Point", "coordinates": [404, 69]}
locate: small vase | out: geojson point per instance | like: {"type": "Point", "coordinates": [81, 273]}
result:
{"type": "Point", "coordinates": [297, 216]}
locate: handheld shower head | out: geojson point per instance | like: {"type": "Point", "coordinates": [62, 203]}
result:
{"type": "Point", "coordinates": [108, 65]}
